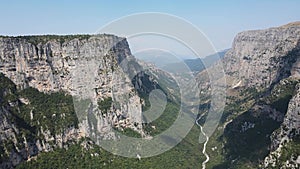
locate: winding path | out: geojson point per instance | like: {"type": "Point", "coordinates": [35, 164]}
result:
{"type": "Point", "coordinates": [205, 143]}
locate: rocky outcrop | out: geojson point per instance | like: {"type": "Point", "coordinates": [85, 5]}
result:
{"type": "Point", "coordinates": [288, 131]}
{"type": "Point", "coordinates": [16, 147]}
{"type": "Point", "coordinates": [290, 127]}
{"type": "Point", "coordinates": [49, 66]}
{"type": "Point", "coordinates": [258, 61]}
{"type": "Point", "coordinates": [82, 66]}
{"type": "Point", "coordinates": [261, 58]}
{"type": "Point", "coordinates": [291, 123]}
{"type": "Point", "coordinates": [85, 67]}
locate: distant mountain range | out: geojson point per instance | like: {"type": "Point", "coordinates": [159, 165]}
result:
{"type": "Point", "coordinates": [173, 63]}
{"type": "Point", "coordinates": [157, 57]}
{"type": "Point", "coordinates": [195, 65]}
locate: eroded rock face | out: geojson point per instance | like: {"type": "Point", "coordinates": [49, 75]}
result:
{"type": "Point", "coordinates": [260, 60]}
{"type": "Point", "coordinates": [83, 68]}
{"type": "Point", "coordinates": [262, 57]}
{"type": "Point", "coordinates": [49, 66]}
{"type": "Point", "coordinates": [87, 69]}
{"type": "Point", "coordinates": [289, 130]}
{"type": "Point", "coordinates": [16, 147]}
{"type": "Point", "coordinates": [291, 123]}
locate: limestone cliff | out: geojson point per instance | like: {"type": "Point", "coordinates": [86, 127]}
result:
{"type": "Point", "coordinates": [286, 138]}
{"type": "Point", "coordinates": [261, 58]}
{"type": "Point", "coordinates": [262, 72]}
{"type": "Point", "coordinates": [83, 66]}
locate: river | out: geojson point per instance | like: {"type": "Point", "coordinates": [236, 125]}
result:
{"type": "Point", "coordinates": [205, 143]}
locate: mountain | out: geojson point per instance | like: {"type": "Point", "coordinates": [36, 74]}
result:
{"type": "Point", "coordinates": [195, 65]}
{"type": "Point", "coordinates": [156, 57]}
{"type": "Point", "coordinates": [52, 86]}
{"type": "Point", "coordinates": [171, 63]}
{"type": "Point", "coordinates": [260, 124]}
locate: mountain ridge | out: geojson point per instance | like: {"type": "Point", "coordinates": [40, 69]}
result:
{"type": "Point", "coordinates": [262, 72]}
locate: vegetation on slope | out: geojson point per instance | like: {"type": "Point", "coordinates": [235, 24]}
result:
{"type": "Point", "coordinates": [243, 138]}
{"type": "Point", "coordinates": [186, 154]}
{"type": "Point", "coordinates": [105, 104]}
{"type": "Point", "coordinates": [53, 112]}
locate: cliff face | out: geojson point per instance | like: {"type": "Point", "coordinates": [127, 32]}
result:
{"type": "Point", "coordinates": [285, 140]}
{"type": "Point", "coordinates": [82, 67]}
{"type": "Point", "coordinates": [48, 66]}
{"type": "Point", "coordinates": [85, 67]}
{"type": "Point", "coordinates": [262, 72]}
{"type": "Point", "coordinates": [291, 125]}
{"type": "Point", "coordinates": [261, 58]}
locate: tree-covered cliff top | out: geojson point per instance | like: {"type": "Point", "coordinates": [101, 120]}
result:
{"type": "Point", "coordinates": [36, 39]}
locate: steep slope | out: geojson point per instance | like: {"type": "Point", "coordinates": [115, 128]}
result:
{"type": "Point", "coordinates": [80, 65]}
{"type": "Point", "coordinates": [32, 122]}
{"type": "Point", "coordinates": [77, 74]}
{"type": "Point", "coordinates": [286, 140]}
{"type": "Point", "coordinates": [62, 93]}
{"type": "Point", "coordinates": [262, 72]}
{"type": "Point", "coordinates": [262, 57]}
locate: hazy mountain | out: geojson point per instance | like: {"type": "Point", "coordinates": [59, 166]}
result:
{"type": "Point", "coordinates": [195, 65]}
{"type": "Point", "coordinates": [158, 58]}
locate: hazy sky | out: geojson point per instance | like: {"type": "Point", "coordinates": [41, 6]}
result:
{"type": "Point", "coordinates": [219, 20]}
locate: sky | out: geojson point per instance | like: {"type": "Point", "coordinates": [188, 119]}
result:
{"type": "Point", "coordinates": [219, 20]}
